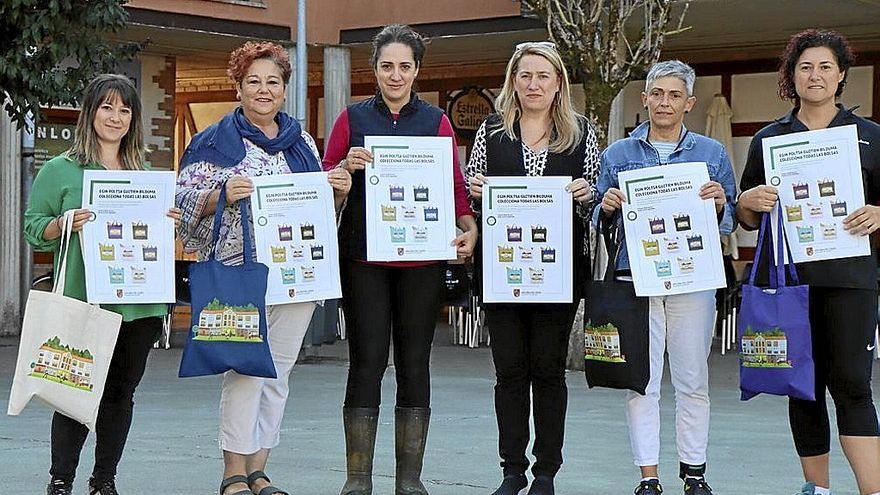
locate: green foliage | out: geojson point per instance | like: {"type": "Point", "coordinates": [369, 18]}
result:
{"type": "Point", "coordinates": [52, 48]}
{"type": "Point", "coordinates": [55, 343]}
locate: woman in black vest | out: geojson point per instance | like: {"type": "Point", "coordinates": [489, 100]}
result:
{"type": "Point", "coordinates": [385, 301]}
{"type": "Point", "coordinates": [536, 132]}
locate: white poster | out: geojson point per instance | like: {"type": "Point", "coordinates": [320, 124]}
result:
{"type": "Point", "coordinates": [410, 199]}
{"type": "Point", "coordinates": [295, 224]}
{"type": "Point", "coordinates": [671, 234]}
{"type": "Point", "coordinates": [128, 246]}
{"type": "Point", "coordinates": [527, 240]}
{"type": "Point", "coordinates": [819, 178]}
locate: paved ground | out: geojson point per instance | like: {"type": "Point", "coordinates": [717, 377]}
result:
{"type": "Point", "coordinates": [172, 448]}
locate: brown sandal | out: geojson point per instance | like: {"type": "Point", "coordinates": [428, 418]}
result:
{"type": "Point", "coordinates": [267, 490]}
{"type": "Point", "coordinates": [233, 480]}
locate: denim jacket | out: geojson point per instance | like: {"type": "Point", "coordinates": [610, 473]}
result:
{"type": "Point", "coordinates": [635, 152]}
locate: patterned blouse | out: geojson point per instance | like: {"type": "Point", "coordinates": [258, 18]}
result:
{"type": "Point", "coordinates": [535, 161]}
{"type": "Point", "coordinates": [197, 181]}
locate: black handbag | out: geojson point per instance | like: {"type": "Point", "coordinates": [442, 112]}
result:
{"type": "Point", "coordinates": [616, 334]}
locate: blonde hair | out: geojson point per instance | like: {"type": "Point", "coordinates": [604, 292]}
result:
{"type": "Point", "coordinates": [102, 88]}
{"type": "Point", "coordinates": [565, 120]}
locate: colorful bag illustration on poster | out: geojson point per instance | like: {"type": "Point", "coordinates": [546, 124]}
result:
{"type": "Point", "coordinates": [776, 351]}
{"type": "Point", "coordinates": [228, 330]}
{"type": "Point", "coordinates": [65, 350]}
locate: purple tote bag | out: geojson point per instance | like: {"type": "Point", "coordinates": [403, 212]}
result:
{"type": "Point", "coordinates": [775, 344]}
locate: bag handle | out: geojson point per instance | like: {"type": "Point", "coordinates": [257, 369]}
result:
{"type": "Point", "coordinates": [245, 222]}
{"type": "Point", "coordinates": [778, 265]}
{"type": "Point", "coordinates": [66, 234]}
{"type": "Point", "coordinates": [609, 231]}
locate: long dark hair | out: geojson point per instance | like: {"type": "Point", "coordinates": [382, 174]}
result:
{"type": "Point", "coordinates": [812, 38]}
{"type": "Point", "coordinates": [103, 88]}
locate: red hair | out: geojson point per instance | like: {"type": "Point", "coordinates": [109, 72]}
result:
{"type": "Point", "coordinates": [241, 59]}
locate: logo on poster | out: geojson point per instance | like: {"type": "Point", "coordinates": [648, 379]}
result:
{"type": "Point", "coordinates": [516, 292]}
{"type": "Point", "coordinates": [119, 293]}
{"type": "Point", "coordinates": [667, 285]}
{"type": "Point", "coordinates": [291, 293]}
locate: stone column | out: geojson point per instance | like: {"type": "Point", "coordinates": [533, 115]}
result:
{"type": "Point", "coordinates": [616, 124]}
{"type": "Point", "coordinates": [337, 84]}
{"type": "Point", "coordinates": [11, 257]}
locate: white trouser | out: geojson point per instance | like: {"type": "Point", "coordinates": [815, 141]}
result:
{"type": "Point", "coordinates": [682, 326]}
{"type": "Point", "coordinates": [251, 408]}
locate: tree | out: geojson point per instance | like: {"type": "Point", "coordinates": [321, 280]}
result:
{"type": "Point", "coordinates": [604, 44]}
{"type": "Point", "coordinates": [51, 48]}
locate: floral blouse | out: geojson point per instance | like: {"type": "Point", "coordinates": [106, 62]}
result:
{"type": "Point", "coordinates": [198, 180]}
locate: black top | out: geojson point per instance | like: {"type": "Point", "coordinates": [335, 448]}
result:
{"type": "Point", "coordinates": [858, 272]}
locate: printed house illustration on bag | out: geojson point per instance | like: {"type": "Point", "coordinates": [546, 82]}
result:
{"type": "Point", "coordinates": [602, 343]}
{"type": "Point", "coordinates": [127, 251]}
{"type": "Point", "coordinates": [539, 233]}
{"type": "Point", "coordinates": [395, 193]}
{"type": "Point", "coordinates": [431, 214]}
{"type": "Point", "coordinates": [107, 252]}
{"type": "Point", "coordinates": [114, 230]}
{"type": "Point", "coordinates": [138, 275]}
{"type": "Point", "coordinates": [317, 251]}
{"type": "Point", "coordinates": [526, 253]}
{"type": "Point", "coordinates": [420, 193]}
{"type": "Point", "coordinates": [658, 225]}
{"type": "Point", "coordinates": [651, 247]}
{"type": "Point", "coordinates": [150, 253]}
{"type": "Point", "coordinates": [409, 213]}
{"type": "Point", "coordinates": [389, 213]}
{"type": "Point", "coordinates": [65, 365]}
{"type": "Point", "coordinates": [514, 233]}
{"type": "Point", "coordinates": [764, 349]}
{"type": "Point", "coordinates": [682, 222]}
{"type": "Point", "coordinates": [117, 275]}
{"type": "Point", "coordinates": [663, 268]}
{"type": "Point", "coordinates": [279, 254]}
{"type": "Point", "coordinates": [307, 231]}
{"type": "Point", "coordinates": [139, 231]}
{"type": "Point", "coordinates": [514, 275]}
{"type": "Point", "coordinates": [296, 252]}
{"type": "Point", "coordinates": [838, 208]}
{"type": "Point", "coordinates": [829, 231]}
{"type": "Point", "coordinates": [398, 234]}
{"type": "Point", "coordinates": [695, 242]}
{"type": "Point", "coordinates": [800, 190]}
{"type": "Point", "coordinates": [685, 265]}
{"type": "Point", "coordinates": [220, 322]}
{"type": "Point", "coordinates": [285, 233]}
{"type": "Point", "coordinates": [671, 244]}
{"type": "Point", "coordinates": [826, 187]}
{"type": "Point", "coordinates": [536, 275]}
{"type": "Point", "coordinates": [805, 233]}
{"type": "Point", "coordinates": [420, 234]}
{"type": "Point", "coordinates": [308, 273]}
{"type": "Point", "coordinates": [548, 255]}
{"type": "Point", "coordinates": [505, 254]}
{"type": "Point", "coordinates": [815, 209]}
{"type": "Point", "coordinates": [794, 213]}
{"type": "Point", "coordinates": [288, 276]}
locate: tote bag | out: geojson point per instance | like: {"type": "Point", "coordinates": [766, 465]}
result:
{"type": "Point", "coordinates": [776, 350]}
{"type": "Point", "coordinates": [65, 350]}
{"type": "Point", "coordinates": [615, 325]}
{"type": "Point", "coordinates": [228, 329]}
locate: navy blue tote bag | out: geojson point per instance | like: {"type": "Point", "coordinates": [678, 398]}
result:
{"type": "Point", "coordinates": [775, 343]}
{"type": "Point", "coordinates": [228, 330]}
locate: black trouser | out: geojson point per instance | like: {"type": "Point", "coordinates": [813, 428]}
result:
{"type": "Point", "coordinates": [529, 346]}
{"type": "Point", "coordinates": [382, 304]}
{"type": "Point", "coordinates": [842, 323]}
{"type": "Point", "coordinates": [114, 414]}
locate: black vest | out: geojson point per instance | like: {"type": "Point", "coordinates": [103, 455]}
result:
{"type": "Point", "coordinates": [372, 117]}
{"type": "Point", "coordinates": [505, 157]}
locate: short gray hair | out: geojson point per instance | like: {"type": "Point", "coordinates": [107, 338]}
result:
{"type": "Point", "coordinates": [672, 68]}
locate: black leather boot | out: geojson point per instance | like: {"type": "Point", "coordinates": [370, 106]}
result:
{"type": "Point", "coordinates": [410, 435]}
{"type": "Point", "coordinates": [360, 441]}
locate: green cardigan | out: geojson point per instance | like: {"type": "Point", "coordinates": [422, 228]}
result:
{"type": "Point", "coordinates": [58, 188]}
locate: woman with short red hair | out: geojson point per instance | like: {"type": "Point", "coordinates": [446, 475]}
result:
{"type": "Point", "coordinates": [256, 139]}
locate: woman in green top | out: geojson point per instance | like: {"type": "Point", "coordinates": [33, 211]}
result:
{"type": "Point", "coordinates": [109, 136]}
